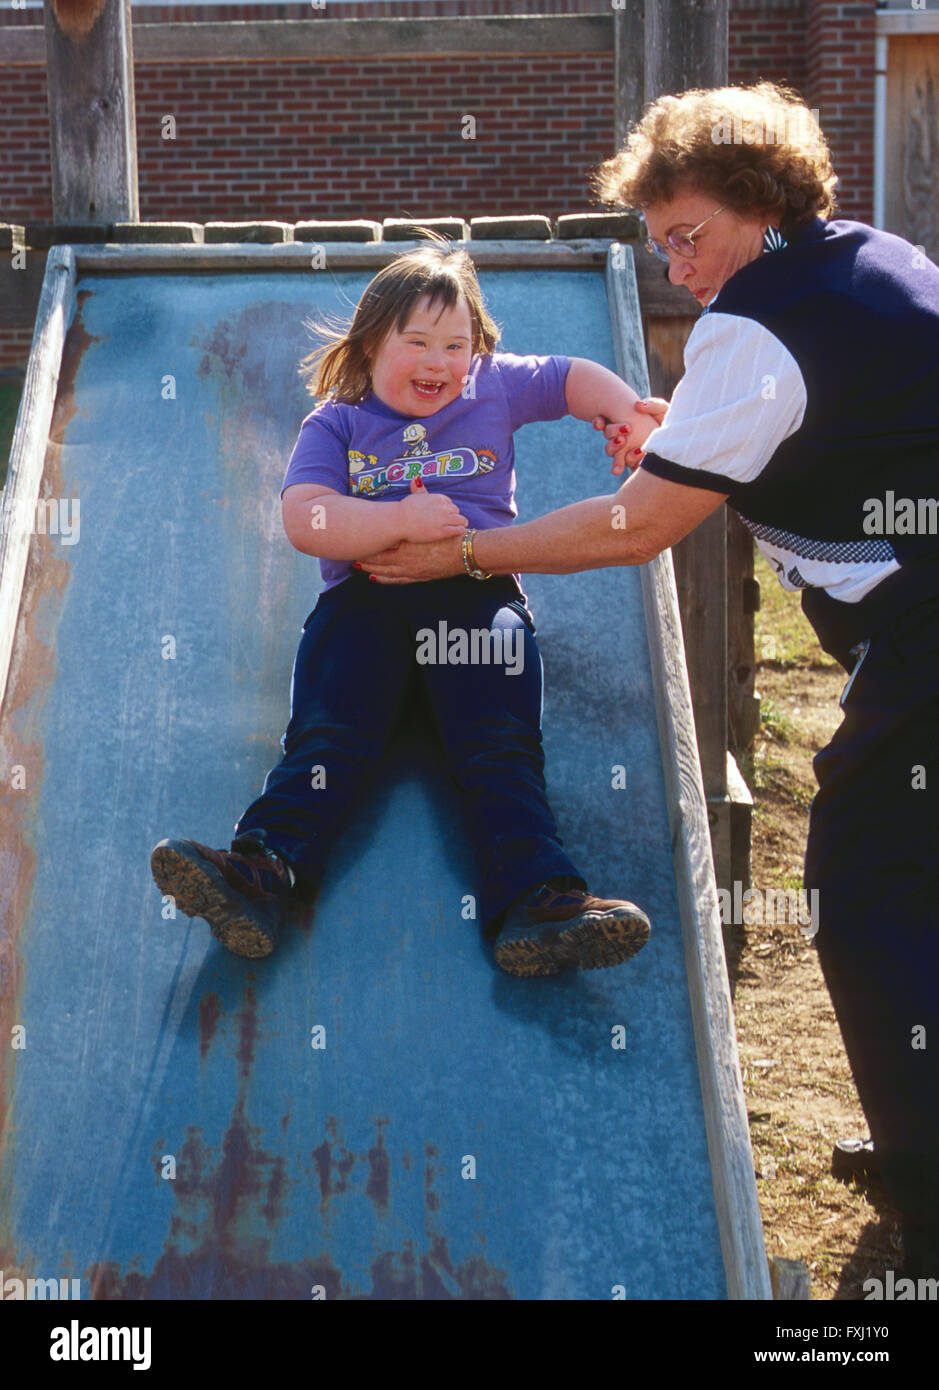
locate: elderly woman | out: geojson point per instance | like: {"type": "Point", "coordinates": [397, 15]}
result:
{"type": "Point", "coordinates": [810, 403]}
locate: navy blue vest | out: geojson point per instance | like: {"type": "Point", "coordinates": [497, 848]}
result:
{"type": "Point", "coordinates": [858, 309]}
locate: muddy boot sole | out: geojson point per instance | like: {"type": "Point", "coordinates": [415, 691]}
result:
{"type": "Point", "coordinates": [199, 890]}
{"type": "Point", "coordinates": [592, 941]}
{"type": "Point", "coordinates": [596, 941]}
{"type": "Point", "coordinates": [529, 956]}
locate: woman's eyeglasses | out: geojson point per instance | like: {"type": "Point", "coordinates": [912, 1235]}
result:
{"type": "Point", "coordinates": [682, 242]}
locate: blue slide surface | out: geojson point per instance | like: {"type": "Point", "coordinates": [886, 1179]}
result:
{"type": "Point", "coordinates": [376, 1111]}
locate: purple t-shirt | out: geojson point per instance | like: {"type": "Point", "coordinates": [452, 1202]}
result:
{"type": "Point", "coordinates": [464, 450]}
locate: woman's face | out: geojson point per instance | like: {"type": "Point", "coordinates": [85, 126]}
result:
{"type": "Point", "coordinates": [725, 244]}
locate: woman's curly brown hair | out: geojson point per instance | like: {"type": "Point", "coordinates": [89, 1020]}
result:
{"type": "Point", "coordinates": [755, 149]}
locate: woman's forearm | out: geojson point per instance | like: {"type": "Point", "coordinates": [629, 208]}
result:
{"type": "Point", "coordinates": [585, 535]}
{"type": "Point", "coordinates": [644, 517]}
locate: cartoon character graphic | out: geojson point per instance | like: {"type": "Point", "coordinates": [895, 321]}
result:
{"type": "Point", "coordinates": [358, 460]}
{"type": "Point", "coordinates": [415, 437]}
{"type": "Point", "coordinates": [368, 477]}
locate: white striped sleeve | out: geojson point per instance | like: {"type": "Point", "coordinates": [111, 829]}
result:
{"type": "Point", "coordinates": [741, 395]}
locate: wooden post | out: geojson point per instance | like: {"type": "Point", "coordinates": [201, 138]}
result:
{"type": "Point", "coordinates": [90, 75]}
{"type": "Point", "coordinates": [743, 600]}
{"type": "Point", "coordinates": [790, 1279]}
{"type": "Point", "coordinates": [629, 66]}
{"type": "Point", "coordinates": [685, 46]}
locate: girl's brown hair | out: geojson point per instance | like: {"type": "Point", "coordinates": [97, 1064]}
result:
{"type": "Point", "coordinates": [340, 366]}
{"type": "Point", "coordinates": [756, 149]}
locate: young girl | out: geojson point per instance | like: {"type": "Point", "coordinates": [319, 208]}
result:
{"type": "Point", "coordinates": [413, 441]}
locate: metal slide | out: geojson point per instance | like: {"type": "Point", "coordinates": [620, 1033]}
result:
{"type": "Point", "coordinates": [376, 1111]}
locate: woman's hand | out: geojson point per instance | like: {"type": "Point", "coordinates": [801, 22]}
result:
{"type": "Point", "coordinates": [626, 438]}
{"type": "Point", "coordinates": [407, 563]}
{"type": "Point", "coordinates": [429, 516]}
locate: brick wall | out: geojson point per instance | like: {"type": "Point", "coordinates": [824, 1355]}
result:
{"type": "Point", "coordinates": [840, 82]}
{"type": "Point", "coordinates": [292, 141]}
{"type": "Point", "coordinates": [768, 41]}
{"type": "Point", "coordinates": [354, 139]}
{"type": "Point", "coordinates": [341, 139]}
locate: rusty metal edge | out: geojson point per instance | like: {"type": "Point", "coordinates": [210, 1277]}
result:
{"type": "Point", "coordinates": [28, 458]}
{"type": "Point", "coordinates": [725, 1112]}
{"type": "Point", "coordinates": [30, 439]}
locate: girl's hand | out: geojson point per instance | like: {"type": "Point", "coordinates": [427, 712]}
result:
{"type": "Point", "coordinates": [654, 406]}
{"type": "Point", "coordinates": [429, 516]}
{"type": "Point", "coordinates": [626, 437]}
{"type": "Point", "coordinates": [618, 448]}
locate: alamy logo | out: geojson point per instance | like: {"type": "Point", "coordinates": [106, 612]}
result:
{"type": "Point", "coordinates": [750, 907]}
{"type": "Point", "coordinates": [796, 125]}
{"type": "Point", "coordinates": [900, 516]}
{"type": "Point", "coordinates": [32, 1289]}
{"type": "Point", "coordinates": [49, 516]}
{"type": "Point", "coordinates": [480, 646]}
{"type": "Point", "coordinates": [900, 1290]}
{"type": "Point", "coordinates": [77, 1343]}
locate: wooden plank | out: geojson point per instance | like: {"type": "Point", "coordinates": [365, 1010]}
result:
{"type": "Point", "coordinates": [791, 1279]}
{"type": "Point", "coordinates": [725, 1111]}
{"type": "Point", "coordinates": [20, 291]}
{"type": "Point", "coordinates": [665, 344]}
{"type": "Point", "coordinates": [91, 117]}
{"type": "Point", "coordinates": [743, 600]}
{"type": "Point", "coordinates": [911, 177]}
{"type": "Point", "coordinates": [30, 438]}
{"type": "Point", "coordinates": [628, 67]}
{"type": "Point", "coordinates": [735, 1195]}
{"type": "Point", "coordinates": [899, 23]}
{"type": "Point", "coordinates": [701, 577]}
{"type": "Point", "coordinates": [323, 40]}
{"type": "Point", "coordinates": [337, 255]}
{"type": "Point", "coordinates": [685, 45]}
{"type": "Point", "coordinates": [623, 295]}
{"type": "Point", "coordinates": [666, 47]}
{"type": "Point", "coordinates": [701, 573]}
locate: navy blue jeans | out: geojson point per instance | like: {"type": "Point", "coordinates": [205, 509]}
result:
{"type": "Point", "coordinates": [364, 648]}
{"type": "Point", "coordinates": [872, 856]}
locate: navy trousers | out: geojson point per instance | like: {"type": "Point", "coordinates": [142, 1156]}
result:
{"type": "Point", "coordinates": [872, 856]}
{"type": "Point", "coordinates": [364, 648]}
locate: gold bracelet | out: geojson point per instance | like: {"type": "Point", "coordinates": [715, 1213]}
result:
{"type": "Point", "coordinates": [469, 559]}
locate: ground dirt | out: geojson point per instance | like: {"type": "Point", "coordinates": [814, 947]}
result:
{"type": "Point", "coordinates": [799, 1090]}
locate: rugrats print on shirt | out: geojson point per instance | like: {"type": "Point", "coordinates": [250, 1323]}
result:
{"type": "Point", "coordinates": [369, 451]}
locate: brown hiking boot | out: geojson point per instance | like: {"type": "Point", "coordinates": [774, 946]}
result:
{"type": "Point", "coordinates": [553, 929]}
{"type": "Point", "coordinates": [242, 896]}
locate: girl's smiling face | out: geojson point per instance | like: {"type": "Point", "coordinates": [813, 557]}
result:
{"type": "Point", "coordinates": [421, 368]}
